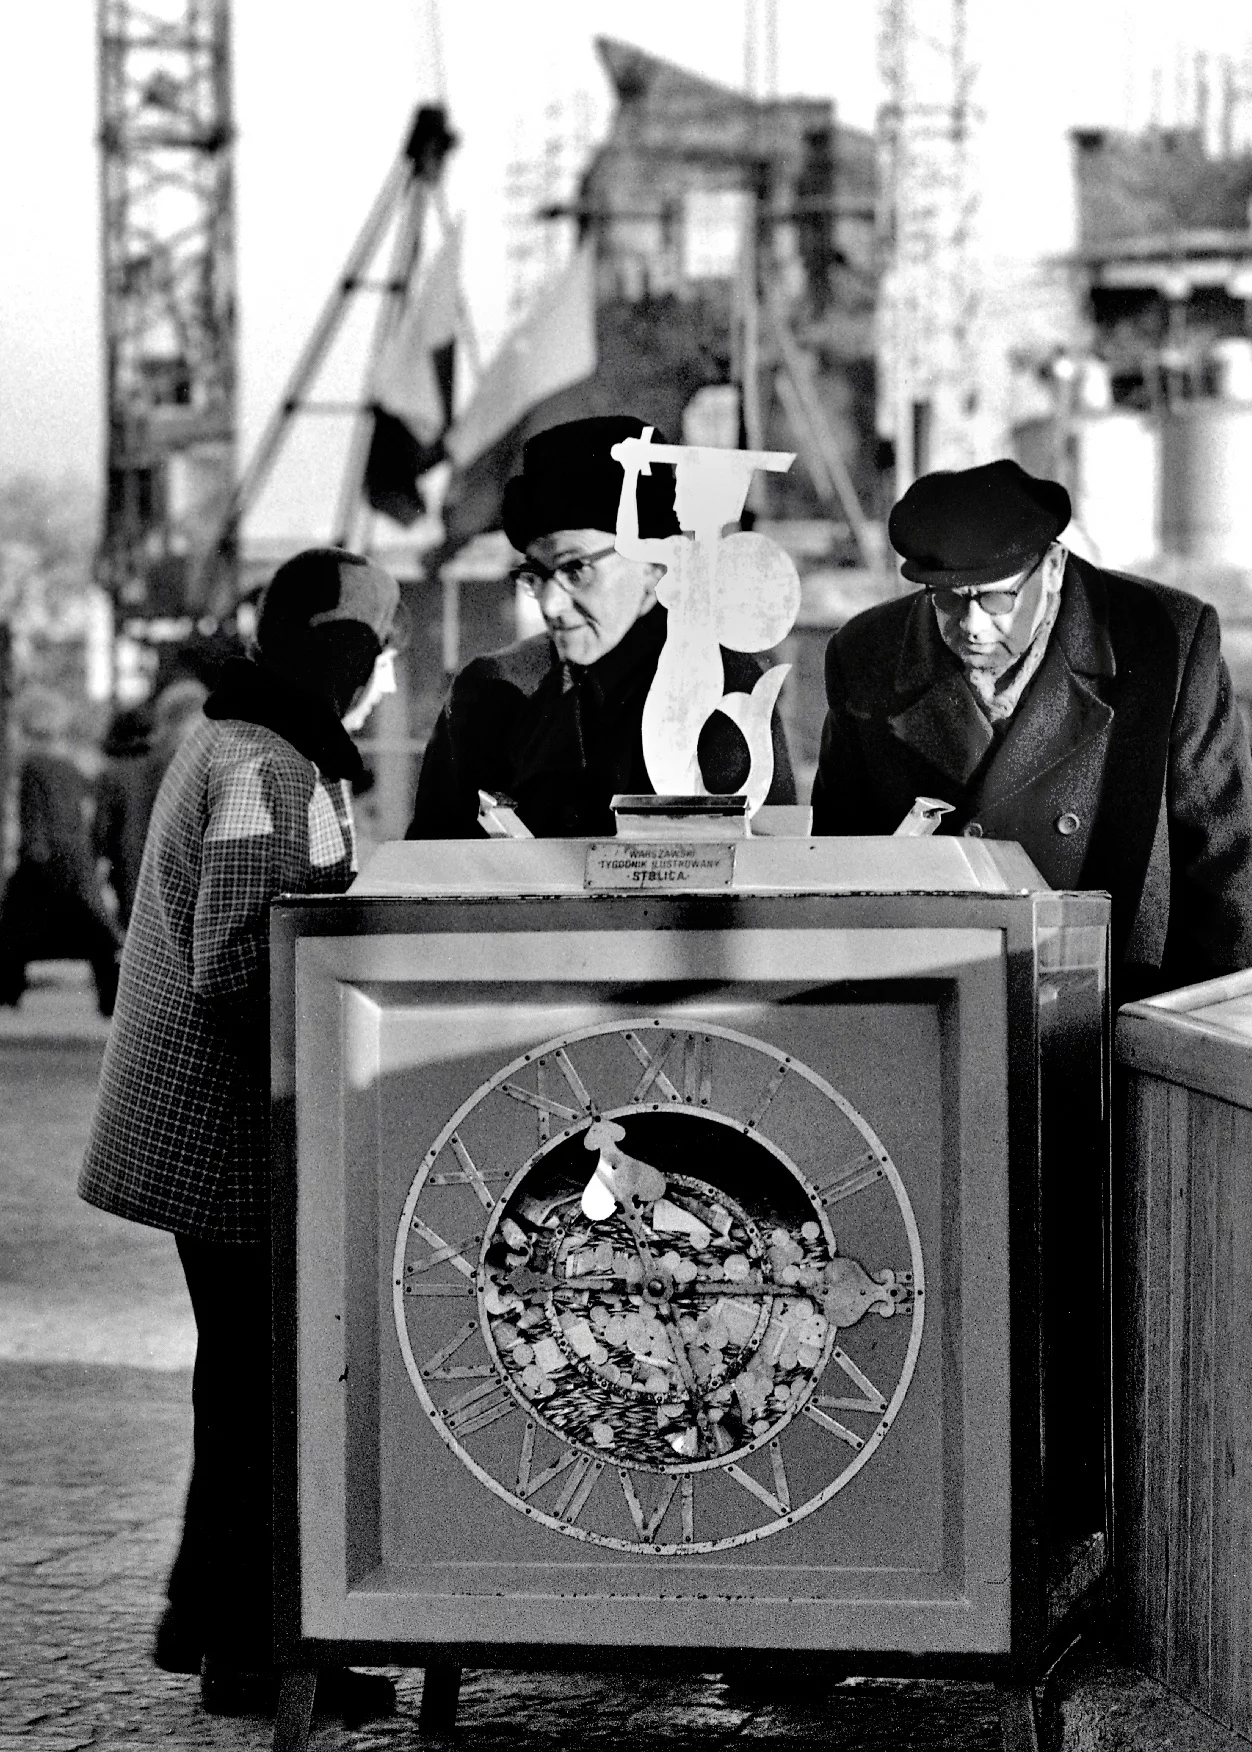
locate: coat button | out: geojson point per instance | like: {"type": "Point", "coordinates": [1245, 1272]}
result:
{"type": "Point", "coordinates": [972, 830]}
{"type": "Point", "coordinates": [1067, 823]}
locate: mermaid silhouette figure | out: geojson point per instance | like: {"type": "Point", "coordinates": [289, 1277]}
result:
{"type": "Point", "coordinates": [740, 590]}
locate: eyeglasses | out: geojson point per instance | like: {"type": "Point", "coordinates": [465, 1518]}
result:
{"type": "Point", "coordinates": [993, 602]}
{"type": "Point", "coordinates": [575, 576]}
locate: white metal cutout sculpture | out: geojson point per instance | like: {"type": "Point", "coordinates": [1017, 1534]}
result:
{"type": "Point", "coordinates": [739, 590]}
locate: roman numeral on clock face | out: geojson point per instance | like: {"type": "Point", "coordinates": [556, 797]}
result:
{"type": "Point", "coordinates": [543, 1104]}
{"type": "Point", "coordinates": [688, 1498]}
{"type": "Point", "coordinates": [578, 1487]}
{"type": "Point", "coordinates": [436, 1368]}
{"type": "Point", "coordinates": [466, 1175]}
{"type": "Point", "coordinates": [646, 1525]}
{"type": "Point", "coordinates": [476, 1409]}
{"type": "Point", "coordinates": [850, 1177]}
{"type": "Point", "coordinates": [771, 1089]}
{"type": "Point", "coordinates": [529, 1482]}
{"type": "Point", "coordinates": [445, 1252]}
{"type": "Point", "coordinates": [826, 1422]}
{"type": "Point", "coordinates": [653, 1072]}
{"type": "Point", "coordinates": [778, 1499]}
{"type": "Point", "coordinates": [871, 1399]}
{"type": "Point", "coordinates": [687, 1056]}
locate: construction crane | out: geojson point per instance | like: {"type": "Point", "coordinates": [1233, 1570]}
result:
{"type": "Point", "coordinates": [166, 142]}
{"type": "Point", "coordinates": [398, 213]}
{"type": "Point", "coordinates": [928, 353]}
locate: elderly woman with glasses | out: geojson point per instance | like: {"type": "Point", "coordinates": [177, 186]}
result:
{"type": "Point", "coordinates": [554, 723]}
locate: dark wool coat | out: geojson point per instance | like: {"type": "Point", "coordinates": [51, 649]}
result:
{"type": "Point", "coordinates": [1125, 766]}
{"type": "Point", "coordinates": [180, 1135]}
{"type": "Point", "coordinates": [52, 806]}
{"type": "Point", "coordinates": [561, 741]}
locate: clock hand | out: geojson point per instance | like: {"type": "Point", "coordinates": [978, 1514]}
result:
{"type": "Point", "coordinates": [523, 1281]}
{"type": "Point", "coordinates": [679, 1347]}
{"type": "Point", "coordinates": [657, 1288]}
{"type": "Point", "coordinates": [618, 1178]}
{"type": "Point", "coordinates": [746, 1287]}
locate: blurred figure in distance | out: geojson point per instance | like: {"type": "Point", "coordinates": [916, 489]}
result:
{"type": "Point", "coordinates": [139, 747]}
{"type": "Point", "coordinates": [53, 907]}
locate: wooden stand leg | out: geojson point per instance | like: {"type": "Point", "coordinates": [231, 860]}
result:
{"type": "Point", "coordinates": [440, 1689]}
{"type": "Point", "coordinates": [1018, 1727]}
{"type": "Point", "coordinates": [295, 1709]}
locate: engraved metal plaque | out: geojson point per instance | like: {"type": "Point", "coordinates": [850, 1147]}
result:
{"type": "Point", "coordinates": [614, 865]}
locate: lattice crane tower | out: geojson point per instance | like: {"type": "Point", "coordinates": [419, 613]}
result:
{"type": "Point", "coordinates": [166, 140]}
{"type": "Point", "coordinates": [930, 391]}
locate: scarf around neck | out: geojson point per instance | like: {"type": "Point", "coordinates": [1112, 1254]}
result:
{"type": "Point", "coordinates": [256, 694]}
{"type": "Point", "coordinates": [1000, 695]}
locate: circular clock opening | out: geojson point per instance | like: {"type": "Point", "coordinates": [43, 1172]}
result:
{"type": "Point", "coordinates": [653, 1289]}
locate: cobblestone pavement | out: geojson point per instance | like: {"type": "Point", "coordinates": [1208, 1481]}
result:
{"type": "Point", "coordinates": [94, 1445]}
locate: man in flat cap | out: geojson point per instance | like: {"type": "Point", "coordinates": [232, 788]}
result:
{"type": "Point", "coordinates": [256, 803]}
{"type": "Point", "coordinates": [1085, 714]}
{"type": "Point", "coordinates": [554, 723]}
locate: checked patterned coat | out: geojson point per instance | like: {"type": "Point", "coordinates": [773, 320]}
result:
{"type": "Point", "coordinates": [180, 1135]}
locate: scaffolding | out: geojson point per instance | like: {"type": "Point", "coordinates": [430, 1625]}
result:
{"type": "Point", "coordinates": [930, 390]}
{"type": "Point", "coordinates": [538, 185]}
{"type": "Point", "coordinates": [166, 136]}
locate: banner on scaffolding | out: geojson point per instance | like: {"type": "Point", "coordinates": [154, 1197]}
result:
{"type": "Point", "coordinates": [413, 388]}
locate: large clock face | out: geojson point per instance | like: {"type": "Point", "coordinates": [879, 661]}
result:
{"type": "Point", "coordinates": [659, 1287]}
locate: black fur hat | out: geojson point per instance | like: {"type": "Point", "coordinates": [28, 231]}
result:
{"type": "Point", "coordinates": [570, 481]}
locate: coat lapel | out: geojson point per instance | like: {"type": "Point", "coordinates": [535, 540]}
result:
{"type": "Point", "coordinates": [1063, 711]}
{"type": "Point", "coordinates": [942, 723]}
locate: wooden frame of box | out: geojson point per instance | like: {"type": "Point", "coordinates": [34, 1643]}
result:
{"type": "Point", "coordinates": [1184, 1232]}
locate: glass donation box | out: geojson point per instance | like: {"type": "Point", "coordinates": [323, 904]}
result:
{"type": "Point", "coordinates": [689, 1249]}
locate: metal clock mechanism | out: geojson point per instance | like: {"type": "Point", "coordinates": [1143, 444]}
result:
{"type": "Point", "coordinates": [660, 1295]}
{"type": "Point", "coordinates": [651, 1316]}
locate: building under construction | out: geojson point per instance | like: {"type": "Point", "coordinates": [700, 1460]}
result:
{"type": "Point", "coordinates": [734, 247]}
{"type": "Point", "coordinates": [740, 233]}
{"type": "Point", "coordinates": [1150, 424]}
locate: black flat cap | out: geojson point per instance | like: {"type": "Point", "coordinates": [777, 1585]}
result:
{"type": "Point", "coordinates": [976, 525]}
{"type": "Point", "coordinates": [570, 481]}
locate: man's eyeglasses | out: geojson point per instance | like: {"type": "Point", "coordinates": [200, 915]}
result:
{"type": "Point", "coordinates": [575, 575]}
{"type": "Point", "coordinates": [994, 602]}
{"type": "Point", "coordinates": [991, 601]}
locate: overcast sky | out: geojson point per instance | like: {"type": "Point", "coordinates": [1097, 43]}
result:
{"type": "Point", "coordinates": [323, 92]}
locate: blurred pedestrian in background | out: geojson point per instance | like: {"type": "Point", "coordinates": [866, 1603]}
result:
{"type": "Point", "coordinates": [123, 802]}
{"type": "Point", "coordinates": [140, 745]}
{"type": "Point", "coordinates": [53, 906]}
{"type": "Point", "coordinates": [256, 803]}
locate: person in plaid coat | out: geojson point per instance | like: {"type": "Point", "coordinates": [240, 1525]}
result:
{"type": "Point", "coordinates": [256, 803]}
